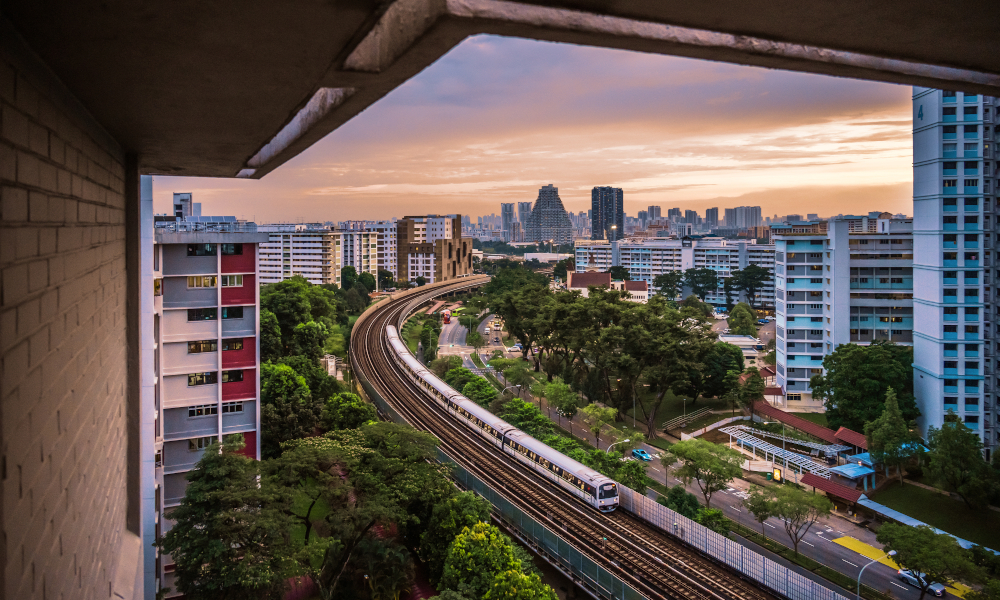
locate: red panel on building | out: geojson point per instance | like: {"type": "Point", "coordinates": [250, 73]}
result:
{"type": "Point", "coordinates": [241, 263]}
{"type": "Point", "coordinates": [250, 441]}
{"type": "Point", "coordinates": [241, 390]}
{"type": "Point", "coordinates": [246, 294]}
{"type": "Point", "coordinates": [246, 357]}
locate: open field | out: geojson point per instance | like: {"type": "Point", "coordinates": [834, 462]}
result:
{"type": "Point", "coordinates": [979, 526]}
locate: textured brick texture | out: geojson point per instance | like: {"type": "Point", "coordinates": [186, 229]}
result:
{"type": "Point", "coordinates": [62, 347]}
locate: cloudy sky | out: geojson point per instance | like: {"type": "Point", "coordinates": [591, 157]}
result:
{"type": "Point", "coordinates": [496, 118]}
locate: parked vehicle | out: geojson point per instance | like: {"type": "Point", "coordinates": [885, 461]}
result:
{"type": "Point", "coordinates": [917, 581]}
{"type": "Point", "coordinates": [641, 454]}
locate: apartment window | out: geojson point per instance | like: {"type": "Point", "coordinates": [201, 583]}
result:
{"type": "Point", "coordinates": [951, 329]}
{"type": "Point", "coordinates": [972, 311]}
{"type": "Point", "coordinates": [950, 129]}
{"type": "Point", "coordinates": [202, 378]}
{"type": "Point", "coordinates": [815, 267]}
{"type": "Point", "coordinates": [972, 365]}
{"type": "Point", "coordinates": [816, 331]}
{"type": "Point", "coordinates": [949, 111]}
{"type": "Point", "coordinates": [201, 443]}
{"type": "Point", "coordinates": [202, 314]}
{"type": "Point", "coordinates": [951, 364]}
{"type": "Point", "coordinates": [816, 280]}
{"type": "Point", "coordinates": [231, 376]}
{"type": "Point", "coordinates": [794, 397]}
{"type": "Point", "coordinates": [232, 407]}
{"type": "Point", "coordinates": [202, 346]}
{"type": "Point", "coordinates": [971, 130]}
{"type": "Point", "coordinates": [201, 249]}
{"type": "Point", "coordinates": [971, 293]}
{"type": "Point", "coordinates": [202, 281]}
{"type": "Point", "coordinates": [232, 312]}
{"type": "Point", "coordinates": [232, 344]}
{"type": "Point", "coordinates": [971, 183]}
{"type": "Point", "coordinates": [972, 329]}
{"type": "Point", "coordinates": [232, 281]}
{"type": "Point", "coordinates": [948, 93]}
{"type": "Point", "coordinates": [232, 249]}
{"type": "Point", "coordinates": [816, 294]}
{"type": "Point", "coordinates": [971, 256]}
{"type": "Point", "coordinates": [815, 306]}
{"type": "Point", "coordinates": [203, 410]}
{"type": "Point", "coordinates": [970, 111]}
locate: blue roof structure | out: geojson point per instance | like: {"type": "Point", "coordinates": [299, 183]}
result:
{"type": "Point", "coordinates": [852, 471]}
{"type": "Point", "coordinates": [864, 458]}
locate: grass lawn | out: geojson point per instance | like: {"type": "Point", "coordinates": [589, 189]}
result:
{"type": "Point", "coordinates": [817, 418]}
{"type": "Point", "coordinates": [980, 526]}
{"type": "Point", "coordinates": [673, 406]}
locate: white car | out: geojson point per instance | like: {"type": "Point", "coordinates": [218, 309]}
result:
{"type": "Point", "coordinates": [514, 348]}
{"type": "Point", "coordinates": [916, 581]}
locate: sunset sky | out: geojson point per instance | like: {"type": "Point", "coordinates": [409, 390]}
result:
{"type": "Point", "coordinates": [496, 118]}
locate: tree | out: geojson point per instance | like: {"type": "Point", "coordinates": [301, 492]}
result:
{"type": "Point", "coordinates": [681, 502]}
{"type": "Point", "coordinates": [800, 510]}
{"type": "Point", "coordinates": [458, 377]}
{"type": "Point", "coordinates": [476, 340]}
{"type": "Point", "coordinates": [321, 384]}
{"type": "Point", "coordinates": [856, 379]}
{"type": "Point", "coordinates": [270, 336]}
{"type": "Point", "coordinates": [447, 521]}
{"type": "Point", "coordinates": [347, 411]}
{"type": "Point", "coordinates": [714, 519]}
{"type": "Point", "coordinates": [563, 268]}
{"type": "Point", "coordinates": [719, 361]}
{"type": "Point", "coordinates": [515, 585]}
{"type": "Point", "coordinates": [701, 281]}
{"type": "Point", "coordinates": [566, 401]}
{"type": "Point", "coordinates": [888, 436]}
{"type": "Point", "coordinates": [751, 390]}
{"type": "Point", "coordinates": [480, 391]}
{"type": "Point", "coordinates": [631, 474]}
{"type": "Point", "coordinates": [308, 339]}
{"type": "Point", "coordinates": [367, 280]}
{"type": "Point", "coordinates": [228, 540]}
{"type": "Point", "coordinates": [386, 279]}
{"type": "Point", "coordinates": [922, 550]}
{"type": "Point", "coordinates": [697, 306]}
{"type": "Point", "coordinates": [440, 366]}
{"type": "Point", "coordinates": [668, 284]}
{"type": "Point", "coordinates": [288, 410]}
{"type": "Point", "coordinates": [620, 274]}
{"type": "Point", "coordinates": [956, 460]}
{"type": "Point", "coordinates": [348, 277]}
{"type": "Point", "coordinates": [760, 503]}
{"type": "Point", "coordinates": [355, 303]}
{"type": "Point", "coordinates": [742, 321]}
{"type": "Point", "coordinates": [750, 280]}
{"type": "Point", "coordinates": [420, 281]}
{"type": "Point", "coordinates": [712, 466]}
{"type": "Point", "coordinates": [990, 591]}
{"type": "Point", "coordinates": [728, 287]}
{"type": "Point", "coordinates": [476, 556]}
{"type": "Point", "coordinates": [597, 417]}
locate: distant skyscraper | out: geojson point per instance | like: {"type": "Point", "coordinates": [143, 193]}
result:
{"type": "Point", "coordinates": [523, 212]}
{"type": "Point", "coordinates": [691, 216]}
{"type": "Point", "coordinates": [743, 216]}
{"type": "Point", "coordinates": [507, 219]}
{"type": "Point", "coordinates": [549, 220]}
{"type": "Point", "coordinates": [673, 212]}
{"type": "Point", "coordinates": [653, 213]}
{"type": "Point", "coordinates": [643, 217]}
{"type": "Point", "coordinates": [712, 217]}
{"type": "Point", "coordinates": [812, 217]}
{"type": "Point", "coordinates": [608, 219]}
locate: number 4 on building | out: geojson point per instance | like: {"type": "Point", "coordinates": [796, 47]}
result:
{"type": "Point", "coordinates": [920, 113]}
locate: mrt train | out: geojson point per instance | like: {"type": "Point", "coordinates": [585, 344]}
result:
{"type": "Point", "coordinates": [583, 482]}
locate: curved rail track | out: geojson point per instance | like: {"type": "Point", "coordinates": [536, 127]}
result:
{"type": "Point", "coordinates": [652, 562]}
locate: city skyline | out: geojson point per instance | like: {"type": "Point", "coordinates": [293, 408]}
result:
{"type": "Point", "coordinates": [478, 128]}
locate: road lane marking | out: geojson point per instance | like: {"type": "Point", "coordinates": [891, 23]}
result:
{"type": "Point", "coordinates": [771, 526]}
{"type": "Point", "coordinates": [897, 585]}
{"type": "Point", "coordinates": [849, 562]}
{"type": "Point", "coordinates": [807, 543]}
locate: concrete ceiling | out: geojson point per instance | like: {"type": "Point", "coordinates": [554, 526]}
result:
{"type": "Point", "coordinates": [223, 88]}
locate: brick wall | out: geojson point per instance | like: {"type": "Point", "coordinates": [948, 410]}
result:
{"type": "Point", "coordinates": [63, 371]}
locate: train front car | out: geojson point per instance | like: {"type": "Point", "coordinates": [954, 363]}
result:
{"type": "Point", "coordinates": [607, 496]}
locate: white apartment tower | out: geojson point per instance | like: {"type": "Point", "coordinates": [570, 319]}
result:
{"type": "Point", "coordinates": [954, 200]}
{"type": "Point", "coordinates": [845, 281]}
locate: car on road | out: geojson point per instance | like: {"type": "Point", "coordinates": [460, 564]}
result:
{"type": "Point", "coordinates": [496, 340]}
{"type": "Point", "coordinates": [514, 348]}
{"type": "Point", "coordinates": [917, 580]}
{"type": "Point", "coordinates": [641, 454]}
{"type": "Point", "coordinates": [762, 321]}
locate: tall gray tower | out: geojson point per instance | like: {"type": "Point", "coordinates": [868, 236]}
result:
{"type": "Point", "coordinates": [607, 208]}
{"type": "Point", "coordinates": [548, 220]}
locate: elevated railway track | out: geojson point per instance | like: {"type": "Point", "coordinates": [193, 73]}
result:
{"type": "Point", "coordinates": [650, 561]}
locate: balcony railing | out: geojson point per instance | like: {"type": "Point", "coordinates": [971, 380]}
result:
{"type": "Point", "coordinates": [193, 227]}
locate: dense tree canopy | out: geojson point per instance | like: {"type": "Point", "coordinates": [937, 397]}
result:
{"type": "Point", "coordinates": [857, 378]}
{"type": "Point", "coordinates": [956, 460]}
{"type": "Point", "coordinates": [668, 284]}
{"type": "Point", "coordinates": [750, 280]}
{"type": "Point", "coordinates": [923, 550]}
{"type": "Point", "coordinates": [888, 437]}
{"type": "Point", "coordinates": [701, 281]}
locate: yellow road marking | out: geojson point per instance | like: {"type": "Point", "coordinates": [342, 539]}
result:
{"type": "Point", "coordinates": [872, 553]}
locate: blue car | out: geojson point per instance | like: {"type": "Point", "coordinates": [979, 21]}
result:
{"type": "Point", "coordinates": [641, 454]}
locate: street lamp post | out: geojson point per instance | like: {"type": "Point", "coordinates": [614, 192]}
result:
{"type": "Point", "coordinates": [608, 451]}
{"type": "Point", "coordinates": [857, 595]}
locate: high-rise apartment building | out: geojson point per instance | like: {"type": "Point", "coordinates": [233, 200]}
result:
{"type": "Point", "coordinates": [184, 206]}
{"type": "Point", "coordinates": [203, 380]}
{"type": "Point", "coordinates": [607, 206]}
{"type": "Point", "coordinates": [954, 200]}
{"type": "Point", "coordinates": [653, 213]}
{"type": "Point", "coordinates": [847, 280]}
{"type": "Point", "coordinates": [318, 252]}
{"type": "Point", "coordinates": [523, 213]}
{"type": "Point", "coordinates": [691, 216]}
{"type": "Point", "coordinates": [712, 217]}
{"type": "Point", "coordinates": [647, 258]}
{"type": "Point", "coordinates": [548, 220]}
{"type": "Point", "coordinates": [673, 212]}
{"type": "Point", "coordinates": [507, 219]}
{"type": "Point", "coordinates": [742, 217]}
{"type": "Point", "coordinates": [432, 247]}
